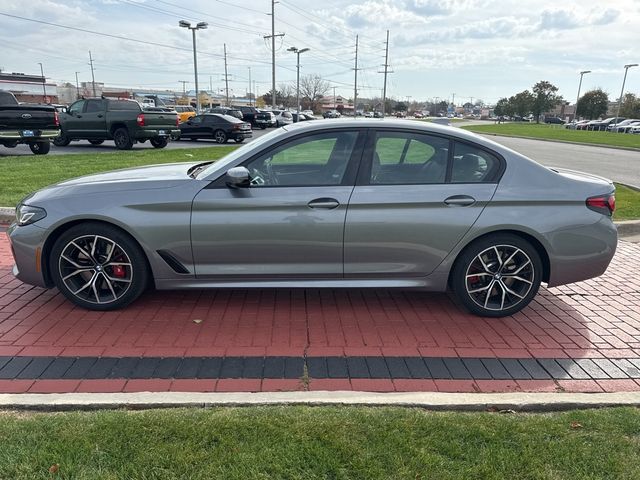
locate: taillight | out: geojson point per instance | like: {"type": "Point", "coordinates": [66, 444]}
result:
{"type": "Point", "coordinates": [237, 126]}
{"type": "Point", "coordinates": [56, 119]}
{"type": "Point", "coordinates": [177, 120]}
{"type": "Point", "coordinates": [605, 204]}
{"type": "Point", "coordinates": [140, 119]}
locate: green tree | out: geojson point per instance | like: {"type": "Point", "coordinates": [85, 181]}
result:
{"type": "Point", "coordinates": [502, 108]}
{"type": "Point", "coordinates": [546, 98]}
{"type": "Point", "coordinates": [630, 107]}
{"type": "Point", "coordinates": [522, 103]}
{"type": "Point", "coordinates": [400, 107]}
{"type": "Point", "coordinates": [593, 104]}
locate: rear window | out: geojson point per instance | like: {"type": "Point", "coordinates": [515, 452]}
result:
{"type": "Point", "coordinates": [118, 105]}
{"type": "Point", "coordinates": [7, 99]}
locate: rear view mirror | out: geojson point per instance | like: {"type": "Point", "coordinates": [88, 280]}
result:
{"type": "Point", "coordinates": [238, 177]}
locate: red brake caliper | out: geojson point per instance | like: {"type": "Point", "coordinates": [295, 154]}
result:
{"type": "Point", "coordinates": [119, 271]}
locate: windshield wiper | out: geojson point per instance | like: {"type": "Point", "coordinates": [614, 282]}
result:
{"type": "Point", "coordinates": [196, 169]}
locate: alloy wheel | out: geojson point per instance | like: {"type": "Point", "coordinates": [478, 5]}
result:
{"type": "Point", "coordinates": [499, 277]}
{"type": "Point", "coordinates": [95, 269]}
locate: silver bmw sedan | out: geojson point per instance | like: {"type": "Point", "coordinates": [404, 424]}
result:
{"type": "Point", "coordinates": [354, 203]}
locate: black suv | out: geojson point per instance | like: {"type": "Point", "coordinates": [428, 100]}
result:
{"type": "Point", "coordinates": [248, 113]}
{"type": "Point", "coordinates": [234, 112]}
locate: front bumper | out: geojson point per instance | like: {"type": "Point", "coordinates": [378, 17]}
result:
{"type": "Point", "coordinates": [155, 133]}
{"type": "Point", "coordinates": [26, 244]}
{"type": "Point", "coordinates": [38, 134]}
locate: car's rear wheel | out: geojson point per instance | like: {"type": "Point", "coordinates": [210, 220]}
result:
{"type": "Point", "coordinates": [40, 148]}
{"type": "Point", "coordinates": [61, 140]}
{"type": "Point", "coordinates": [497, 275]}
{"type": "Point", "coordinates": [96, 142]}
{"type": "Point", "coordinates": [219, 136]}
{"type": "Point", "coordinates": [159, 142]}
{"type": "Point", "coordinates": [239, 140]}
{"type": "Point", "coordinates": [122, 139]}
{"type": "Point", "coordinates": [98, 267]}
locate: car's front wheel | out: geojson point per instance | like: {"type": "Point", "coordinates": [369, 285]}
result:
{"type": "Point", "coordinates": [98, 266]}
{"type": "Point", "coordinates": [497, 275]}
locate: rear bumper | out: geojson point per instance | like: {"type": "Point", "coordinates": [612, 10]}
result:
{"type": "Point", "coordinates": [39, 134]}
{"type": "Point", "coordinates": [239, 135]}
{"type": "Point", "coordinates": [155, 133]}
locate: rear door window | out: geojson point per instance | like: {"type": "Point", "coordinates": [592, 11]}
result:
{"type": "Point", "coordinates": [473, 165]}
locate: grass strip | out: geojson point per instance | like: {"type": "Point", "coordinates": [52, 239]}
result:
{"type": "Point", "coordinates": [320, 443]}
{"type": "Point", "coordinates": [558, 132]}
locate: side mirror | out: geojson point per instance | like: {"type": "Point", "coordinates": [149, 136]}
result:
{"type": "Point", "coordinates": [238, 177]}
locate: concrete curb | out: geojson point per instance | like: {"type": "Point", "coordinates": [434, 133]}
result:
{"type": "Point", "coordinates": [7, 214]}
{"type": "Point", "coordinates": [427, 400]}
{"type": "Point", "coordinates": [630, 149]}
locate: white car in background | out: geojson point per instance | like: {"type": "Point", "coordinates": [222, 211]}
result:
{"type": "Point", "coordinates": [283, 117]}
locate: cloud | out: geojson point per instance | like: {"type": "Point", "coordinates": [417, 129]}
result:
{"type": "Point", "coordinates": [558, 20]}
{"type": "Point", "coordinates": [608, 16]}
{"type": "Point", "coordinates": [380, 12]}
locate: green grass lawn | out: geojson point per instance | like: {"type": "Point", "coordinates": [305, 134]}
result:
{"type": "Point", "coordinates": [558, 132]}
{"type": "Point", "coordinates": [20, 175]}
{"type": "Point", "coordinates": [320, 443]}
{"type": "Point", "coordinates": [627, 203]}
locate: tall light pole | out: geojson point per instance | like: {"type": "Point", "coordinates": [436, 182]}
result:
{"type": "Point", "coordinates": [199, 26]}
{"type": "Point", "coordinates": [77, 87]}
{"type": "Point", "coordinates": [575, 113]}
{"type": "Point", "coordinates": [298, 52]}
{"type": "Point", "coordinates": [44, 88]}
{"type": "Point", "coordinates": [626, 69]}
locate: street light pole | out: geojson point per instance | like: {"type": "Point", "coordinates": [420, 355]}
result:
{"type": "Point", "coordinates": [44, 88]}
{"type": "Point", "coordinates": [575, 113]}
{"type": "Point", "coordinates": [77, 87]}
{"type": "Point", "coordinates": [199, 26]}
{"type": "Point", "coordinates": [298, 52]}
{"type": "Point", "coordinates": [626, 69]}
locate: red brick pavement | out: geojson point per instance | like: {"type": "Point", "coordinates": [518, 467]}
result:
{"type": "Point", "coordinates": [599, 318]}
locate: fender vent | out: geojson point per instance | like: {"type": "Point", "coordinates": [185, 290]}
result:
{"type": "Point", "coordinates": [173, 262]}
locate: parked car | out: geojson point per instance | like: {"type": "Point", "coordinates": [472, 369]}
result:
{"type": "Point", "coordinates": [603, 124]}
{"type": "Point", "coordinates": [217, 127]}
{"type": "Point", "coordinates": [34, 125]}
{"type": "Point", "coordinates": [185, 112]}
{"type": "Point", "coordinates": [248, 113]}
{"type": "Point", "coordinates": [308, 112]}
{"type": "Point", "coordinates": [302, 117]}
{"type": "Point", "coordinates": [331, 114]}
{"type": "Point", "coordinates": [368, 114]}
{"type": "Point", "coordinates": [634, 129]}
{"type": "Point", "coordinates": [554, 121]}
{"type": "Point", "coordinates": [234, 112]}
{"type": "Point", "coordinates": [324, 204]}
{"type": "Point", "coordinates": [378, 114]}
{"type": "Point", "coordinates": [624, 126]}
{"type": "Point", "coordinates": [123, 121]}
{"type": "Point", "coordinates": [265, 118]}
{"type": "Point", "coordinates": [283, 117]}
{"type": "Point", "coordinates": [418, 115]}
{"type": "Point", "coordinates": [576, 125]}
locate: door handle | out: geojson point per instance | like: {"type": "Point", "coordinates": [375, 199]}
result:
{"type": "Point", "coordinates": [100, 116]}
{"type": "Point", "coordinates": [326, 203]}
{"type": "Point", "coordinates": [460, 201]}
{"type": "Point", "coordinates": [79, 116]}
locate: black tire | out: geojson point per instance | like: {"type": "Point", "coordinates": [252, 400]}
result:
{"type": "Point", "coordinates": [10, 143]}
{"type": "Point", "coordinates": [127, 253]}
{"type": "Point", "coordinates": [220, 136]}
{"type": "Point", "coordinates": [122, 139]}
{"type": "Point", "coordinates": [96, 142]}
{"type": "Point", "coordinates": [239, 140]}
{"type": "Point", "coordinates": [473, 286]}
{"type": "Point", "coordinates": [61, 140]}
{"type": "Point", "coordinates": [40, 148]}
{"type": "Point", "coordinates": [159, 142]}
{"type": "Point", "coordinates": [262, 127]}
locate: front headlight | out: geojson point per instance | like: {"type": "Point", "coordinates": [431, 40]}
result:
{"type": "Point", "coordinates": [26, 214]}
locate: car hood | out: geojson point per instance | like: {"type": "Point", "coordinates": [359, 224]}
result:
{"type": "Point", "coordinates": [140, 178]}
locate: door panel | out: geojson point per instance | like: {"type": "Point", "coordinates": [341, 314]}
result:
{"type": "Point", "coordinates": [407, 230]}
{"type": "Point", "coordinates": [94, 121]}
{"type": "Point", "coordinates": [269, 232]}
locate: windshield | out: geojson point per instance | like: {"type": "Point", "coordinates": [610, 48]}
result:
{"type": "Point", "coordinates": [226, 160]}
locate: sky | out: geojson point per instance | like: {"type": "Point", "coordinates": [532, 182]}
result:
{"type": "Point", "coordinates": [475, 49]}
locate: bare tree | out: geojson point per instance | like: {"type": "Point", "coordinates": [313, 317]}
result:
{"type": "Point", "coordinates": [287, 92]}
{"type": "Point", "coordinates": [313, 87]}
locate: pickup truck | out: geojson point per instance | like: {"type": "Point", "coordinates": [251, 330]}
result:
{"type": "Point", "coordinates": [123, 121]}
{"type": "Point", "coordinates": [34, 125]}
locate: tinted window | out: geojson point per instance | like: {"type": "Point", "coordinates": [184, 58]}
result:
{"type": "Point", "coordinates": [319, 159]}
{"type": "Point", "coordinates": [473, 165]}
{"type": "Point", "coordinates": [7, 99]}
{"type": "Point", "coordinates": [123, 105]}
{"type": "Point", "coordinates": [93, 106]}
{"type": "Point", "coordinates": [76, 108]}
{"type": "Point", "coordinates": [409, 158]}
{"type": "Point", "coordinates": [196, 120]}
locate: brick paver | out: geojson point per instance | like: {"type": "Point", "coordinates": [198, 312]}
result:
{"type": "Point", "coordinates": [582, 337]}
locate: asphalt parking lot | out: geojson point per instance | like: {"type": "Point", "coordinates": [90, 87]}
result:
{"type": "Point", "coordinates": [580, 337]}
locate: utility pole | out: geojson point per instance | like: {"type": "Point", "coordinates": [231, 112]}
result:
{"type": "Point", "coordinates": [575, 110]}
{"type": "Point", "coordinates": [453, 100]}
{"type": "Point", "coordinates": [386, 71]}
{"type": "Point", "coordinates": [210, 92]}
{"type": "Point", "coordinates": [184, 88]}
{"type": "Point", "coordinates": [626, 69]}
{"type": "Point", "coordinates": [226, 76]}
{"type": "Point", "coordinates": [273, 52]}
{"type": "Point", "coordinates": [93, 78]}
{"type": "Point", "coordinates": [355, 82]}
{"type": "Point", "coordinates": [77, 87]}
{"type": "Point", "coordinates": [44, 87]}
{"type": "Point", "coordinates": [334, 98]}
{"type": "Point", "coordinates": [250, 93]}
